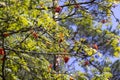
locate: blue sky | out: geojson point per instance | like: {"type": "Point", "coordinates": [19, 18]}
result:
{"type": "Point", "coordinates": [116, 11]}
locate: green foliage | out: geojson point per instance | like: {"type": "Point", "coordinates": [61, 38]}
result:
{"type": "Point", "coordinates": [33, 36]}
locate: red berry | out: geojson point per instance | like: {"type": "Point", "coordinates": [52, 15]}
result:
{"type": "Point", "coordinates": [86, 63]}
{"type": "Point", "coordinates": [77, 6]}
{"type": "Point", "coordinates": [71, 78]}
{"type": "Point", "coordinates": [95, 46]}
{"type": "Point", "coordinates": [1, 51]}
{"type": "Point", "coordinates": [58, 9]}
{"type": "Point", "coordinates": [50, 66]}
{"type": "Point", "coordinates": [5, 34]}
{"type": "Point", "coordinates": [66, 59]}
{"type": "Point", "coordinates": [35, 35]}
{"type": "Point", "coordinates": [103, 21]}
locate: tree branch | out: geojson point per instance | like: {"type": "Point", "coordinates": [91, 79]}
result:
{"type": "Point", "coordinates": [68, 5]}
